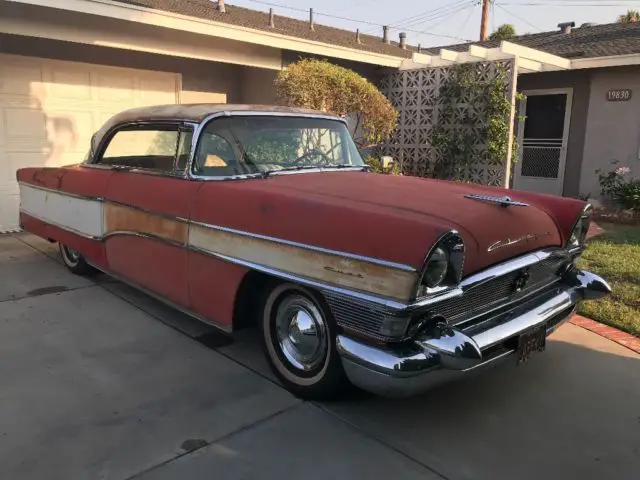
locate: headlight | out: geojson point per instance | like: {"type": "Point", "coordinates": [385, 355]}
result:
{"type": "Point", "coordinates": [436, 269]}
{"type": "Point", "coordinates": [580, 229]}
{"type": "Point", "coordinates": [443, 266]}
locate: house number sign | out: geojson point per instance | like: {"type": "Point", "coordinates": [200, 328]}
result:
{"type": "Point", "coordinates": [619, 95]}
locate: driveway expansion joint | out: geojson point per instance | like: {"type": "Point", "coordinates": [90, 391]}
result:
{"type": "Point", "coordinates": [204, 443]}
{"type": "Point", "coordinates": [379, 440]}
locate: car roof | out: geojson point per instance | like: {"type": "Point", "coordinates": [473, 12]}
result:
{"type": "Point", "coordinates": [195, 112]}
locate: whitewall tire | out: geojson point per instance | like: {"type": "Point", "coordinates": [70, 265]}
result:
{"type": "Point", "coordinates": [74, 261]}
{"type": "Point", "coordinates": [299, 338]}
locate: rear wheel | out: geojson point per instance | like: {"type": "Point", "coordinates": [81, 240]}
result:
{"type": "Point", "coordinates": [74, 261]}
{"type": "Point", "coordinates": [299, 335]}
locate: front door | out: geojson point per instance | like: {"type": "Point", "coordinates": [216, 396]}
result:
{"type": "Point", "coordinates": [146, 206]}
{"type": "Point", "coordinates": [542, 138]}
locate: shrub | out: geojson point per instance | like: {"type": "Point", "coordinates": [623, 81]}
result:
{"type": "Point", "coordinates": [376, 166]}
{"type": "Point", "coordinates": [320, 85]}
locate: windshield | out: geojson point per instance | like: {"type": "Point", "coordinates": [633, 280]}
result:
{"type": "Point", "coordinates": [261, 145]}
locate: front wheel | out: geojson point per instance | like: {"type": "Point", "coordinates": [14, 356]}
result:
{"type": "Point", "coordinates": [299, 336]}
{"type": "Point", "coordinates": [74, 261]}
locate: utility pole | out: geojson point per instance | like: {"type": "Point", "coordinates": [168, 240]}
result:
{"type": "Point", "coordinates": [484, 23]}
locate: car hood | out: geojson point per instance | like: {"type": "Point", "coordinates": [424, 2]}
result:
{"type": "Point", "coordinates": [395, 218]}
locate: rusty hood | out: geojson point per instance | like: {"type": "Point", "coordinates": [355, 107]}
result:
{"type": "Point", "coordinates": [397, 218]}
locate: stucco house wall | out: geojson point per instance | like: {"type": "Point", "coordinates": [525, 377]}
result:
{"type": "Point", "coordinates": [613, 128]}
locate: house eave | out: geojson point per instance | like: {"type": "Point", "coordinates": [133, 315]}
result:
{"type": "Point", "coordinates": [606, 61]}
{"type": "Point", "coordinates": [170, 20]}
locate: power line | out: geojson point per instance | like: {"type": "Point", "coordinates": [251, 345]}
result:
{"type": "Point", "coordinates": [423, 16]}
{"type": "Point", "coordinates": [473, 9]}
{"type": "Point", "coordinates": [365, 22]}
{"type": "Point", "coordinates": [430, 14]}
{"type": "Point", "coordinates": [518, 17]}
{"type": "Point", "coordinates": [441, 17]}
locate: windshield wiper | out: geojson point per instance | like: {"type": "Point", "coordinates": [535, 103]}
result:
{"type": "Point", "coordinates": [293, 168]}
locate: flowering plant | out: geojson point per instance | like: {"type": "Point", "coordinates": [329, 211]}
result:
{"type": "Point", "coordinates": [614, 185]}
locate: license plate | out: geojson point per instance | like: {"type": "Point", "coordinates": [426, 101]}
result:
{"type": "Point", "coordinates": [530, 343]}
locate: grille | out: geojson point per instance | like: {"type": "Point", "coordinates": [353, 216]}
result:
{"type": "Point", "coordinates": [489, 295]}
{"type": "Point", "coordinates": [359, 315]}
{"type": "Point", "coordinates": [367, 318]}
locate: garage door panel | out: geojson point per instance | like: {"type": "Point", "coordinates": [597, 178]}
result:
{"type": "Point", "coordinates": [25, 123]}
{"type": "Point", "coordinates": [115, 88]}
{"type": "Point", "coordinates": [68, 83]}
{"type": "Point", "coordinates": [19, 79]}
{"type": "Point", "coordinates": [154, 91]}
{"type": "Point", "coordinates": [70, 128]}
{"type": "Point", "coordinates": [49, 110]}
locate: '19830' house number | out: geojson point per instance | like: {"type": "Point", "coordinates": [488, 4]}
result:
{"type": "Point", "coordinates": [619, 95]}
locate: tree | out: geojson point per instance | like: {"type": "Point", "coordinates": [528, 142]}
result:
{"type": "Point", "coordinates": [321, 85]}
{"type": "Point", "coordinates": [631, 16]}
{"type": "Point", "coordinates": [503, 32]}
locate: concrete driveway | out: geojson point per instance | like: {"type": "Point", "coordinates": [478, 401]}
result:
{"type": "Point", "coordinates": [100, 381]}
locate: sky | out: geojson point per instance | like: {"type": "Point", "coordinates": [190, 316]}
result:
{"type": "Point", "coordinates": [444, 22]}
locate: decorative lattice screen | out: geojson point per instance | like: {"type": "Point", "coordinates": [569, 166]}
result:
{"type": "Point", "coordinates": [416, 95]}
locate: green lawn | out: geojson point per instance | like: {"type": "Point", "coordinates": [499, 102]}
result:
{"type": "Point", "coordinates": [615, 255]}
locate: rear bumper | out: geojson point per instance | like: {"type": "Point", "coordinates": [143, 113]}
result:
{"type": "Point", "coordinates": [414, 367]}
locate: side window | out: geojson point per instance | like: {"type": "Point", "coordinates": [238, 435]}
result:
{"type": "Point", "coordinates": [152, 149]}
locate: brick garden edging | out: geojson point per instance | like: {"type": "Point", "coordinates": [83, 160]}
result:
{"type": "Point", "coordinates": [610, 333]}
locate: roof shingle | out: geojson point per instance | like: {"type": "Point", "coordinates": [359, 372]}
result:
{"type": "Point", "coordinates": [244, 17]}
{"type": "Point", "coordinates": [583, 42]}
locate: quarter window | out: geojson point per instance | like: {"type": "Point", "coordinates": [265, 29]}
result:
{"type": "Point", "coordinates": [152, 149]}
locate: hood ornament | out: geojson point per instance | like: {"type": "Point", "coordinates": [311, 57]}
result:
{"type": "Point", "coordinates": [502, 201]}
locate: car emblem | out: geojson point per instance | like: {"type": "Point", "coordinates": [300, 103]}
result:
{"type": "Point", "coordinates": [521, 281]}
{"type": "Point", "coordinates": [509, 241]}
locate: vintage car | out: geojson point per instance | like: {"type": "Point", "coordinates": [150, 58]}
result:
{"type": "Point", "coordinates": [245, 216]}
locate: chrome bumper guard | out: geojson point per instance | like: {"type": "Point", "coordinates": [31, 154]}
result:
{"type": "Point", "coordinates": [414, 367]}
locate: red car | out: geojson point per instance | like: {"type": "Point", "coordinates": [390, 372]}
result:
{"type": "Point", "coordinates": [245, 215]}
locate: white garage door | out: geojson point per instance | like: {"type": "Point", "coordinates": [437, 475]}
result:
{"type": "Point", "coordinates": [49, 110]}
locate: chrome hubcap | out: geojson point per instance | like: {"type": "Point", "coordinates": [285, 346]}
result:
{"type": "Point", "coordinates": [301, 332]}
{"type": "Point", "coordinates": [72, 255]}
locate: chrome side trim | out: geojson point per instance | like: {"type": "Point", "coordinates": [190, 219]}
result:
{"type": "Point", "coordinates": [353, 256]}
{"type": "Point", "coordinates": [167, 302]}
{"type": "Point", "coordinates": [150, 236]}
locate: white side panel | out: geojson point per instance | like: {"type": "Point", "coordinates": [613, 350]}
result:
{"type": "Point", "coordinates": [71, 213]}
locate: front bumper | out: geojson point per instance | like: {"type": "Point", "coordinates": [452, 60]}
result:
{"type": "Point", "coordinates": [413, 367]}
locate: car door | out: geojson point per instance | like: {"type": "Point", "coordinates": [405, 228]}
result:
{"type": "Point", "coordinates": [147, 205]}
